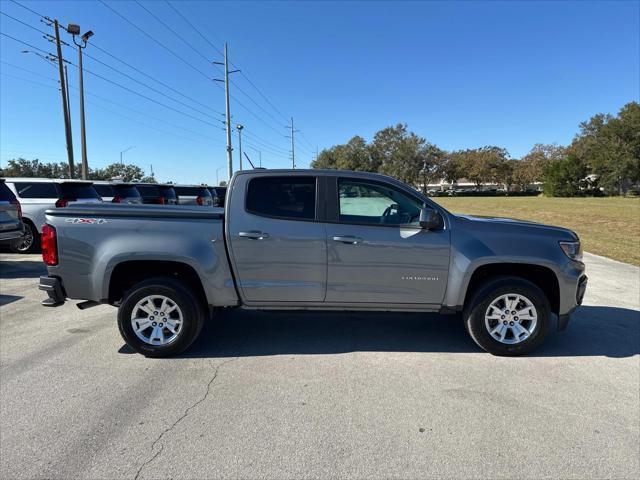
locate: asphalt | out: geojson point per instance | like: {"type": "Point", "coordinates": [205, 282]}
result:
{"type": "Point", "coordinates": [311, 395]}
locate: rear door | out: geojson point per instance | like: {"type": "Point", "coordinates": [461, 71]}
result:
{"type": "Point", "coordinates": [377, 252]}
{"type": "Point", "coordinates": [35, 198]}
{"type": "Point", "coordinates": [277, 245]}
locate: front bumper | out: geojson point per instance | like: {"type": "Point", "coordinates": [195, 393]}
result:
{"type": "Point", "coordinates": [563, 320]}
{"type": "Point", "coordinates": [54, 289]}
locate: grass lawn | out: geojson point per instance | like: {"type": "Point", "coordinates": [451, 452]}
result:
{"type": "Point", "coordinates": [607, 226]}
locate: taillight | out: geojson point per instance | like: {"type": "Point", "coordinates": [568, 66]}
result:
{"type": "Point", "coordinates": [160, 200]}
{"type": "Point", "coordinates": [200, 200]}
{"type": "Point", "coordinates": [19, 207]}
{"type": "Point", "coordinates": [64, 202]}
{"type": "Point", "coordinates": [49, 245]}
{"type": "Point", "coordinates": [117, 199]}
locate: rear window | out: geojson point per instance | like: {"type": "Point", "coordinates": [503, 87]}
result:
{"type": "Point", "coordinates": [126, 191]}
{"type": "Point", "coordinates": [148, 190]}
{"type": "Point", "coordinates": [104, 190]}
{"type": "Point", "coordinates": [36, 190]}
{"type": "Point", "coordinates": [78, 190]}
{"type": "Point", "coordinates": [6, 195]}
{"type": "Point", "coordinates": [186, 191]}
{"type": "Point", "coordinates": [284, 197]}
{"type": "Point", "coordinates": [167, 192]}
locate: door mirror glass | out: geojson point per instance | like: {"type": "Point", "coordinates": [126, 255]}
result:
{"type": "Point", "coordinates": [430, 219]}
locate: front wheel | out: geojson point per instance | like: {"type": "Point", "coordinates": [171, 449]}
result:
{"type": "Point", "coordinates": [508, 316]}
{"type": "Point", "coordinates": [160, 317]}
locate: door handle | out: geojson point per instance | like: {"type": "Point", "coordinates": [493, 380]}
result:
{"type": "Point", "coordinates": [348, 239]}
{"type": "Point", "coordinates": [254, 235]}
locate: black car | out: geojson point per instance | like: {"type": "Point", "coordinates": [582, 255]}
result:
{"type": "Point", "coordinates": [219, 194]}
{"type": "Point", "coordinates": [158, 194]}
{"type": "Point", "coordinates": [118, 192]}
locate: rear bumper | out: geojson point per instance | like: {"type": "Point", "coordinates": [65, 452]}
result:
{"type": "Point", "coordinates": [563, 320]}
{"type": "Point", "coordinates": [54, 289]}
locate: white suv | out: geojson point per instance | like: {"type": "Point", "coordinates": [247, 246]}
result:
{"type": "Point", "coordinates": [39, 194]}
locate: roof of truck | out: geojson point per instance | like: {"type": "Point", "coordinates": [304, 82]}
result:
{"type": "Point", "coordinates": [46, 180]}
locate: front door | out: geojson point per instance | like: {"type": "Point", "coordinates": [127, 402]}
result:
{"type": "Point", "coordinates": [377, 252]}
{"type": "Point", "coordinates": [278, 248]}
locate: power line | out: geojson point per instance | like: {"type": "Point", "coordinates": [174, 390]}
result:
{"type": "Point", "coordinates": [155, 40]}
{"type": "Point", "coordinates": [113, 112]}
{"type": "Point", "coordinates": [27, 8]}
{"type": "Point", "coordinates": [218, 50]}
{"type": "Point", "coordinates": [115, 83]}
{"type": "Point", "coordinates": [126, 75]}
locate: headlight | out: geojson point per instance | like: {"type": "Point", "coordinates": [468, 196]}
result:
{"type": "Point", "coordinates": [573, 250]}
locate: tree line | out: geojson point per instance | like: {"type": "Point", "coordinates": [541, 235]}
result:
{"type": "Point", "coordinates": [604, 157]}
{"type": "Point", "coordinates": [21, 167]}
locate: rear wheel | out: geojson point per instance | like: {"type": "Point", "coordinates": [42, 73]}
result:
{"type": "Point", "coordinates": [160, 317]}
{"type": "Point", "coordinates": [508, 316]}
{"type": "Point", "coordinates": [29, 242]}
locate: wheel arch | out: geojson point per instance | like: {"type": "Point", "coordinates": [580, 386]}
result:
{"type": "Point", "coordinates": [130, 272]}
{"type": "Point", "coordinates": [541, 276]}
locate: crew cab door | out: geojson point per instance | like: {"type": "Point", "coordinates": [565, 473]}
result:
{"type": "Point", "coordinates": [278, 248]}
{"type": "Point", "coordinates": [377, 252]}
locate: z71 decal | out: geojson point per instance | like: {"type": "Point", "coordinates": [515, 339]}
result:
{"type": "Point", "coordinates": [91, 221]}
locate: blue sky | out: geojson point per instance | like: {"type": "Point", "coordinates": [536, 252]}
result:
{"type": "Point", "coordinates": [461, 74]}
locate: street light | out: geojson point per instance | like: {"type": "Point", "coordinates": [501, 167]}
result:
{"type": "Point", "coordinates": [125, 151]}
{"type": "Point", "coordinates": [217, 177]}
{"type": "Point", "coordinates": [74, 30]}
{"type": "Point", "coordinates": [240, 127]}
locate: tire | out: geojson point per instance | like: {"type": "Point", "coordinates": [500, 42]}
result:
{"type": "Point", "coordinates": [481, 321]}
{"type": "Point", "coordinates": [189, 309]}
{"type": "Point", "coordinates": [29, 243]}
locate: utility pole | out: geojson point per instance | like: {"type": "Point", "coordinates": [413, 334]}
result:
{"type": "Point", "coordinates": [74, 30]}
{"type": "Point", "coordinates": [66, 78]}
{"type": "Point", "coordinates": [63, 90]}
{"type": "Point", "coordinates": [293, 143]}
{"type": "Point", "coordinates": [228, 107]}
{"type": "Point", "coordinates": [240, 127]}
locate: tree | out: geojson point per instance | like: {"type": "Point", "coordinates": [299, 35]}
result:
{"type": "Point", "coordinates": [610, 147]}
{"type": "Point", "coordinates": [34, 168]}
{"type": "Point", "coordinates": [484, 165]}
{"type": "Point", "coordinates": [399, 153]}
{"type": "Point", "coordinates": [566, 177]}
{"type": "Point", "coordinates": [354, 155]}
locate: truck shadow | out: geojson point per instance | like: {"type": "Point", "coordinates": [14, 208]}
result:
{"type": "Point", "coordinates": [22, 269]}
{"type": "Point", "coordinates": [593, 331]}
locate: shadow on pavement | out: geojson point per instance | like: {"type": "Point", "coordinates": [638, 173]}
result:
{"type": "Point", "coordinates": [7, 299]}
{"type": "Point", "coordinates": [22, 269]}
{"type": "Point", "coordinates": [593, 331]}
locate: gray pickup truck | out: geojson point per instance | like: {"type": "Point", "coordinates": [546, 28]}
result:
{"type": "Point", "coordinates": [311, 239]}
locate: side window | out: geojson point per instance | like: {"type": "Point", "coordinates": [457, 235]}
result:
{"type": "Point", "coordinates": [364, 202]}
{"type": "Point", "coordinates": [36, 190]}
{"type": "Point", "coordinates": [284, 197]}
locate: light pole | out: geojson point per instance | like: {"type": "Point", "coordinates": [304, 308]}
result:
{"type": "Point", "coordinates": [124, 151]}
{"type": "Point", "coordinates": [217, 177]}
{"type": "Point", "coordinates": [74, 30]}
{"type": "Point", "coordinates": [240, 127]}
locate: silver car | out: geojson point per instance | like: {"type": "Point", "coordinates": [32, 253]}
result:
{"type": "Point", "coordinates": [39, 194]}
{"type": "Point", "coordinates": [193, 195]}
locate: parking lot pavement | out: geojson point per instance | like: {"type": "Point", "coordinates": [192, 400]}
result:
{"type": "Point", "coordinates": [311, 395]}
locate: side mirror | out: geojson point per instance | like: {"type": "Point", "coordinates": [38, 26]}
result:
{"type": "Point", "coordinates": [430, 219]}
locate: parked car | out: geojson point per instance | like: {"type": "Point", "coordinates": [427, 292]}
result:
{"type": "Point", "coordinates": [193, 195]}
{"type": "Point", "coordinates": [39, 194]}
{"type": "Point", "coordinates": [118, 192]}
{"type": "Point", "coordinates": [220, 193]}
{"type": "Point", "coordinates": [288, 239]}
{"type": "Point", "coordinates": [11, 225]}
{"type": "Point", "coordinates": [157, 193]}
